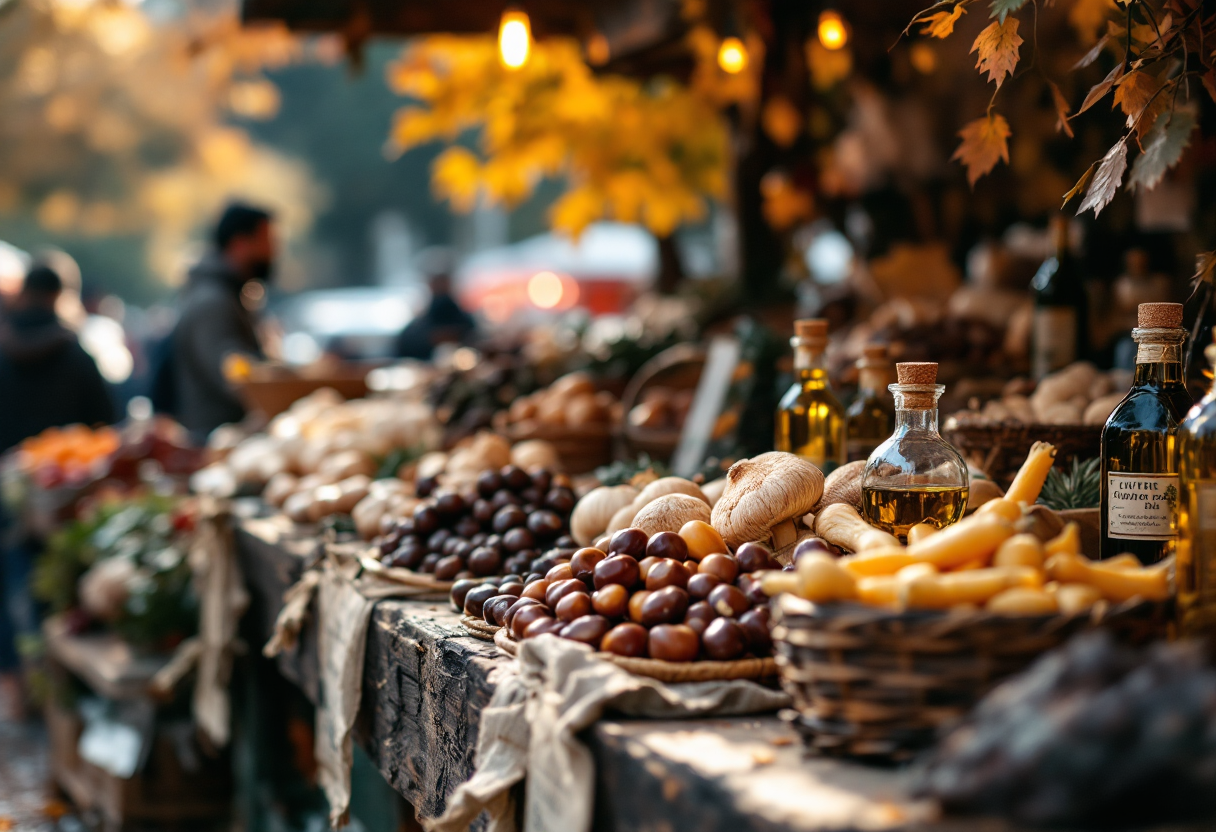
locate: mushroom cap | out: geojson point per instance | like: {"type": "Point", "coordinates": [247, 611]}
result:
{"type": "Point", "coordinates": [764, 491]}
{"type": "Point", "coordinates": [843, 486]}
{"type": "Point", "coordinates": [669, 513]}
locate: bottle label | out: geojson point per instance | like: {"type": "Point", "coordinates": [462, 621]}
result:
{"type": "Point", "coordinates": [1142, 506]}
{"type": "Point", "coordinates": [1054, 339]}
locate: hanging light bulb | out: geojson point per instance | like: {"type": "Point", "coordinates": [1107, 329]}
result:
{"type": "Point", "coordinates": [833, 31]}
{"type": "Point", "coordinates": [732, 55]}
{"type": "Point", "coordinates": [514, 38]}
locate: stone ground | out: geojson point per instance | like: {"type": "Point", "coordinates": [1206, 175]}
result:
{"type": "Point", "coordinates": [27, 802]}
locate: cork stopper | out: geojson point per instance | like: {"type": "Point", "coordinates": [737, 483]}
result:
{"type": "Point", "coordinates": [1159, 316]}
{"type": "Point", "coordinates": [918, 373]}
{"type": "Point", "coordinates": [874, 353]}
{"type": "Point", "coordinates": [811, 328]}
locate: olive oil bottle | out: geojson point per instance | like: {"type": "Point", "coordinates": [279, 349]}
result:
{"type": "Point", "coordinates": [915, 476]}
{"type": "Point", "coordinates": [871, 416]}
{"type": "Point", "coordinates": [1139, 450]}
{"type": "Point", "coordinates": [810, 419]}
{"type": "Point", "coordinates": [1060, 328]}
{"type": "Point", "coordinates": [1196, 560]}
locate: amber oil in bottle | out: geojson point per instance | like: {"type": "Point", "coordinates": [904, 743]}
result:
{"type": "Point", "coordinates": [810, 419]}
{"type": "Point", "coordinates": [1196, 564]}
{"type": "Point", "coordinates": [871, 416]}
{"type": "Point", "coordinates": [1139, 512]}
{"type": "Point", "coordinates": [915, 476]}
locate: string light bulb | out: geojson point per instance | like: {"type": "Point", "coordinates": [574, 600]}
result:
{"type": "Point", "coordinates": [732, 55]}
{"type": "Point", "coordinates": [514, 38]}
{"type": "Point", "coordinates": [833, 31]}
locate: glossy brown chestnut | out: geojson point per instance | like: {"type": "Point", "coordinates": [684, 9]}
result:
{"type": "Point", "coordinates": [618, 569]}
{"type": "Point", "coordinates": [460, 590]}
{"type": "Point", "coordinates": [724, 567]}
{"type": "Point", "coordinates": [514, 607]}
{"type": "Point", "coordinates": [515, 588]}
{"type": "Point", "coordinates": [630, 542]}
{"type": "Point", "coordinates": [475, 599]}
{"type": "Point", "coordinates": [729, 601]}
{"type": "Point", "coordinates": [667, 545]}
{"type": "Point", "coordinates": [560, 589]}
{"type": "Point", "coordinates": [701, 584]}
{"type": "Point", "coordinates": [753, 557]}
{"type": "Point", "coordinates": [724, 640]}
{"type": "Point", "coordinates": [699, 616]}
{"type": "Point", "coordinates": [508, 517]}
{"type": "Point", "coordinates": [447, 568]}
{"type": "Point", "coordinates": [588, 629]}
{"type": "Point", "coordinates": [666, 572]}
{"type": "Point", "coordinates": [541, 626]}
{"type": "Point", "coordinates": [516, 540]}
{"type": "Point", "coordinates": [664, 606]}
{"type": "Point", "coordinates": [485, 561]}
{"type": "Point", "coordinates": [644, 566]}
{"type": "Point", "coordinates": [536, 590]}
{"type": "Point", "coordinates": [582, 565]}
{"type": "Point", "coordinates": [626, 639]}
{"type": "Point", "coordinates": [496, 608]}
{"type": "Point", "coordinates": [611, 601]}
{"type": "Point", "coordinates": [521, 619]}
{"type": "Point", "coordinates": [560, 572]}
{"type": "Point", "coordinates": [673, 643]}
{"type": "Point", "coordinates": [575, 605]}
{"type": "Point", "coordinates": [755, 624]}
{"type": "Point", "coordinates": [636, 600]}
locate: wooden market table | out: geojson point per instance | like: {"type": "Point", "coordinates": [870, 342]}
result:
{"type": "Point", "coordinates": [426, 682]}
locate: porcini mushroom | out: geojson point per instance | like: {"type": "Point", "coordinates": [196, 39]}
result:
{"type": "Point", "coordinates": [764, 494]}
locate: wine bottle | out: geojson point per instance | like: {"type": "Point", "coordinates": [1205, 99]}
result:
{"type": "Point", "coordinates": [1060, 330]}
{"type": "Point", "coordinates": [1139, 450]}
{"type": "Point", "coordinates": [871, 416]}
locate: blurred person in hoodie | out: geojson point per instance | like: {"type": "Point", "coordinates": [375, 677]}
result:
{"type": "Point", "coordinates": [46, 380]}
{"type": "Point", "coordinates": [443, 321]}
{"type": "Point", "coordinates": [215, 324]}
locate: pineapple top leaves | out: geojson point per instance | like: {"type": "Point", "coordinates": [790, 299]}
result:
{"type": "Point", "coordinates": [1078, 487]}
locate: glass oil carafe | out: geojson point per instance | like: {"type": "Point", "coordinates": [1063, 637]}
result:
{"type": "Point", "coordinates": [871, 416]}
{"type": "Point", "coordinates": [1196, 564]}
{"type": "Point", "coordinates": [915, 476]}
{"type": "Point", "coordinates": [1139, 443]}
{"type": "Point", "coordinates": [810, 419]}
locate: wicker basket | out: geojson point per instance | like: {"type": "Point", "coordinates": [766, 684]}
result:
{"type": "Point", "coordinates": [679, 368]}
{"type": "Point", "coordinates": [1000, 449]}
{"type": "Point", "coordinates": [871, 682]}
{"type": "Point", "coordinates": [270, 394]}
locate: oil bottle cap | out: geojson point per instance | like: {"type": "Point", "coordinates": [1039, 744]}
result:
{"type": "Point", "coordinates": [916, 372]}
{"type": "Point", "coordinates": [1159, 316]}
{"type": "Point", "coordinates": [874, 352]}
{"type": "Point", "coordinates": [816, 328]}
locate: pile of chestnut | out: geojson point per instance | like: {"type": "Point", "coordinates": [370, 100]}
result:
{"type": "Point", "coordinates": [678, 597]}
{"type": "Point", "coordinates": [501, 525]}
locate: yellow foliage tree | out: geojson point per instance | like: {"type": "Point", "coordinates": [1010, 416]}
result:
{"type": "Point", "coordinates": [649, 152]}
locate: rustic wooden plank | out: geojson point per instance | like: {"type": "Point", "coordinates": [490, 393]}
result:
{"type": "Point", "coordinates": [103, 661]}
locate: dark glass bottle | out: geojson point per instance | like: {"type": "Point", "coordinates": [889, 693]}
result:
{"type": "Point", "coordinates": [1139, 443]}
{"type": "Point", "coordinates": [1060, 333]}
{"type": "Point", "coordinates": [1196, 568]}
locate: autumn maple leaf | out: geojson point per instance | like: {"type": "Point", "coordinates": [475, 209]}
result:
{"type": "Point", "coordinates": [998, 50]}
{"type": "Point", "coordinates": [941, 24]}
{"type": "Point", "coordinates": [985, 142]}
{"type": "Point", "coordinates": [1133, 93]}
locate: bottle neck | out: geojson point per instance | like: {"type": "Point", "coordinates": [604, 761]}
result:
{"type": "Point", "coordinates": [918, 420]}
{"type": "Point", "coordinates": [809, 361]}
{"type": "Point", "coordinates": [1158, 356]}
{"type": "Point", "coordinates": [871, 381]}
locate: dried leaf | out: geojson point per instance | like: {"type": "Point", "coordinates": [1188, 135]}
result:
{"type": "Point", "coordinates": [1081, 183]}
{"type": "Point", "coordinates": [985, 142]}
{"type": "Point", "coordinates": [1062, 110]}
{"type": "Point", "coordinates": [1133, 92]}
{"type": "Point", "coordinates": [1162, 150]}
{"type": "Point", "coordinates": [1003, 8]}
{"type": "Point", "coordinates": [941, 24]}
{"type": "Point", "coordinates": [1101, 88]}
{"type": "Point", "coordinates": [1205, 267]}
{"type": "Point", "coordinates": [1107, 180]}
{"type": "Point", "coordinates": [998, 50]}
{"type": "Point", "coordinates": [1092, 55]}
{"type": "Point", "coordinates": [1089, 16]}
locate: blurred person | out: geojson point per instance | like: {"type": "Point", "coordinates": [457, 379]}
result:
{"type": "Point", "coordinates": [214, 324]}
{"type": "Point", "coordinates": [442, 322]}
{"type": "Point", "coordinates": [46, 380]}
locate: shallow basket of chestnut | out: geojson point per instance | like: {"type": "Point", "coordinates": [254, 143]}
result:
{"type": "Point", "coordinates": [501, 525]}
{"type": "Point", "coordinates": [676, 606]}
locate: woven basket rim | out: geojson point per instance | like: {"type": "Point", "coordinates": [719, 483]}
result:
{"type": "Point", "coordinates": [672, 672]}
{"type": "Point", "coordinates": [943, 621]}
{"type": "Point", "coordinates": [478, 628]}
{"type": "Point", "coordinates": [408, 577]}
